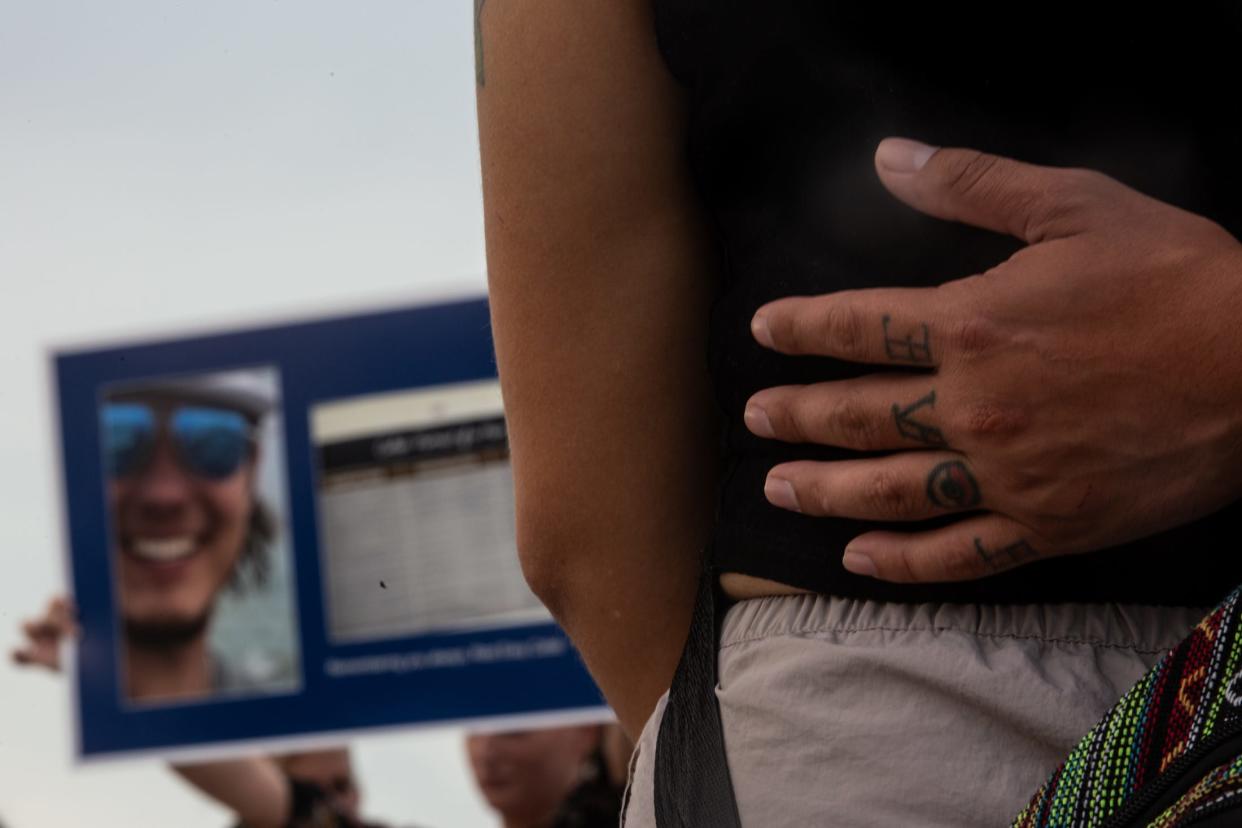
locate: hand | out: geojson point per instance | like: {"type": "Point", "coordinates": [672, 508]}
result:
{"type": "Point", "coordinates": [1086, 392]}
{"type": "Point", "coordinates": [45, 634]}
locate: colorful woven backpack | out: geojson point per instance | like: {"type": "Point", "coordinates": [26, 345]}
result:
{"type": "Point", "coordinates": [1169, 753]}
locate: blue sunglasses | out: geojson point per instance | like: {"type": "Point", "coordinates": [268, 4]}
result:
{"type": "Point", "coordinates": [212, 443]}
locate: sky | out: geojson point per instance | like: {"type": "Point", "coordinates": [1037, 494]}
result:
{"type": "Point", "coordinates": [173, 165]}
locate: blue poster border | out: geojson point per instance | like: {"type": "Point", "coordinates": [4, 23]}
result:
{"type": "Point", "coordinates": [318, 360]}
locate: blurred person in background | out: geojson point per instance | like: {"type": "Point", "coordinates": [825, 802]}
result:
{"type": "Point", "coordinates": [330, 772]}
{"type": "Point", "coordinates": [558, 777]}
{"type": "Point", "coordinates": [300, 789]}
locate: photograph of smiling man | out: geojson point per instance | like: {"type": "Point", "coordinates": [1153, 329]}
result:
{"type": "Point", "coordinates": [194, 493]}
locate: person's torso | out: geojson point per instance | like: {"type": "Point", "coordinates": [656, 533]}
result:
{"type": "Point", "coordinates": [787, 103]}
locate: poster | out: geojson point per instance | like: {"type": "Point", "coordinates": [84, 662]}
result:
{"type": "Point", "coordinates": [300, 530]}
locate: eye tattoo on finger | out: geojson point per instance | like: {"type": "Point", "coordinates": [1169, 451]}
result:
{"type": "Point", "coordinates": [1015, 553]}
{"type": "Point", "coordinates": [907, 349]}
{"type": "Point", "coordinates": [912, 429]}
{"type": "Point", "coordinates": [951, 486]}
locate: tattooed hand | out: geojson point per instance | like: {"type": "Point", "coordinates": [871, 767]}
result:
{"type": "Point", "coordinates": [1086, 392]}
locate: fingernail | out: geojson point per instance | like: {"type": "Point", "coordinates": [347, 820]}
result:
{"type": "Point", "coordinates": [759, 330]}
{"type": "Point", "coordinates": [781, 493]}
{"type": "Point", "coordinates": [858, 563]}
{"type": "Point", "coordinates": [757, 421]}
{"type": "Point", "coordinates": [901, 155]}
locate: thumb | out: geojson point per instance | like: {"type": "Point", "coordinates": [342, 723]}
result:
{"type": "Point", "coordinates": [1030, 202]}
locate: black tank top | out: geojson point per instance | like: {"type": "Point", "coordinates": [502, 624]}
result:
{"type": "Point", "coordinates": [787, 102]}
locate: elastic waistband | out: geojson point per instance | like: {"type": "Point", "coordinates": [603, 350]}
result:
{"type": "Point", "coordinates": [1139, 627]}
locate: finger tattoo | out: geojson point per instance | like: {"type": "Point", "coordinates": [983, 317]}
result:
{"type": "Point", "coordinates": [907, 348]}
{"type": "Point", "coordinates": [951, 486]}
{"type": "Point", "coordinates": [911, 428]}
{"type": "Point", "coordinates": [1015, 553]}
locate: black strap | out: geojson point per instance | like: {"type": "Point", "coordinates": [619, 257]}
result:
{"type": "Point", "coordinates": [692, 784]}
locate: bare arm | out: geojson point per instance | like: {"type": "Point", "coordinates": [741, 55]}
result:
{"type": "Point", "coordinates": [599, 270]}
{"type": "Point", "coordinates": [253, 788]}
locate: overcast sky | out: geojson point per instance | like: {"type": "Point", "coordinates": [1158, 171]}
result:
{"type": "Point", "coordinates": [166, 165]}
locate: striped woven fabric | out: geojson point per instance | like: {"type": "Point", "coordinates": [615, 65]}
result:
{"type": "Point", "coordinates": [1219, 787]}
{"type": "Point", "coordinates": [1188, 702]}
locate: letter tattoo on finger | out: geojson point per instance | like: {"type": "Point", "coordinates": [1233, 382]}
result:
{"type": "Point", "coordinates": [1019, 552]}
{"type": "Point", "coordinates": [951, 486]}
{"type": "Point", "coordinates": [912, 429]}
{"type": "Point", "coordinates": [907, 348]}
